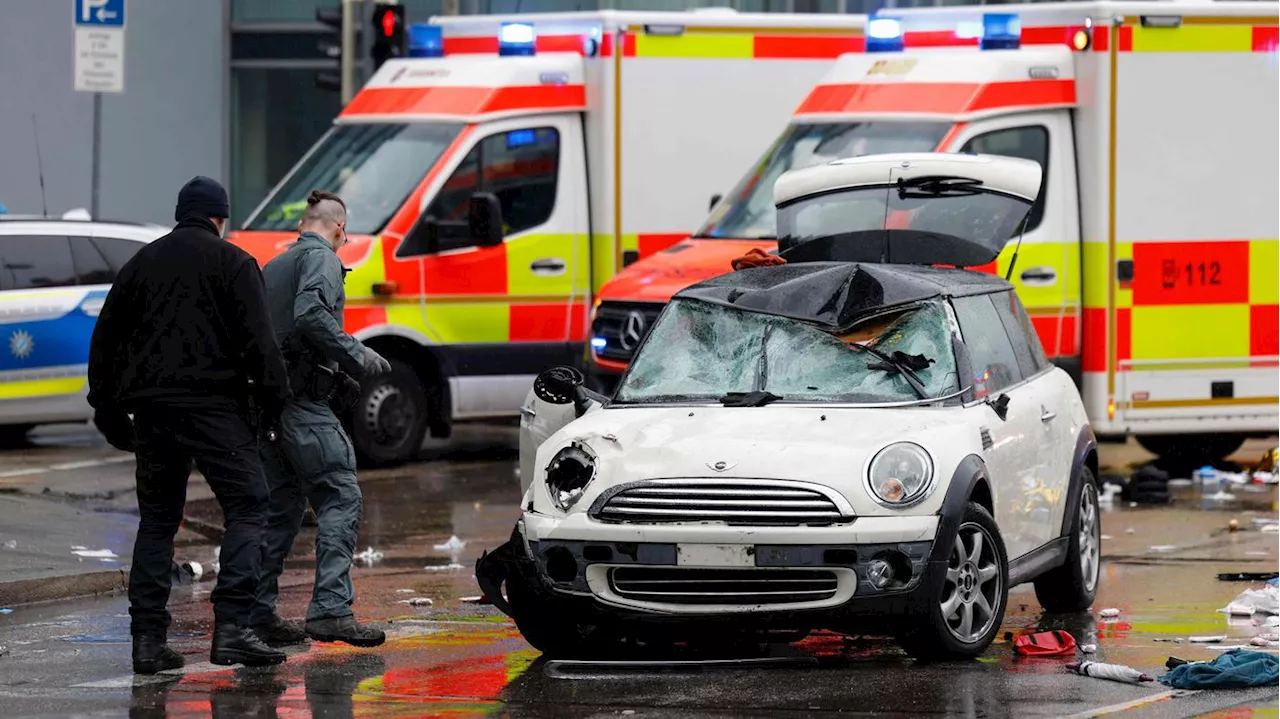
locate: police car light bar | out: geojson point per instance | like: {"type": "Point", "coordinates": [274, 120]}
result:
{"type": "Point", "coordinates": [884, 34]}
{"type": "Point", "coordinates": [516, 38]}
{"type": "Point", "coordinates": [426, 40]}
{"type": "Point", "coordinates": [1001, 31]}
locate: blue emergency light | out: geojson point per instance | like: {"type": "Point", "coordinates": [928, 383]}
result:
{"type": "Point", "coordinates": [884, 34]}
{"type": "Point", "coordinates": [426, 40]}
{"type": "Point", "coordinates": [1001, 31]}
{"type": "Point", "coordinates": [598, 343]}
{"type": "Point", "coordinates": [516, 38]}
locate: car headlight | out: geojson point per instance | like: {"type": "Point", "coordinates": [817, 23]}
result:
{"type": "Point", "coordinates": [901, 475]}
{"type": "Point", "coordinates": [568, 475]}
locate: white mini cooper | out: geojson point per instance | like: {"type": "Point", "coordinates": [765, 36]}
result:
{"type": "Point", "coordinates": [855, 440]}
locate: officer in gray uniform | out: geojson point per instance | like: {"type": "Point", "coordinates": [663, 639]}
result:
{"type": "Point", "coordinates": [313, 459]}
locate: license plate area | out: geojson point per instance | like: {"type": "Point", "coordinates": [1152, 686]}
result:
{"type": "Point", "coordinates": [715, 555]}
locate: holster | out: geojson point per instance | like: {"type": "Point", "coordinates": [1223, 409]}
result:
{"type": "Point", "coordinates": [315, 382]}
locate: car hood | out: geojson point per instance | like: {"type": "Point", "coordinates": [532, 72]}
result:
{"type": "Point", "coordinates": [832, 446]}
{"type": "Point", "coordinates": [659, 276]}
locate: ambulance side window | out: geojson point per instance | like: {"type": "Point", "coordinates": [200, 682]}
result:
{"type": "Point", "coordinates": [519, 166]}
{"type": "Point", "coordinates": [1028, 143]}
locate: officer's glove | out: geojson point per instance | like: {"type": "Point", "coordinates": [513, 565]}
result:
{"type": "Point", "coordinates": [346, 393]}
{"type": "Point", "coordinates": [116, 426]}
{"type": "Point", "coordinates": [374, 363]}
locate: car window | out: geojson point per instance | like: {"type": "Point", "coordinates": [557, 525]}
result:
{"type": "Point", "coordinates": [1028, 143]}
{"type": "Point", "coordinates": [91, 267]}
{"type": "Point", "coordinates": [34, 261]}
{"type": "Point", "coordinates": [520, 167]}
{"type": "Point", "coordinates": [117, 251]}
{"type": "Point", "coordinates": [1024, 339]}
{"type": "Point", "coordinates": [995, 365]}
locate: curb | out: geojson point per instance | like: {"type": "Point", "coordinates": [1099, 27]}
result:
{"type": "Point", "coordinates": [67, 586]}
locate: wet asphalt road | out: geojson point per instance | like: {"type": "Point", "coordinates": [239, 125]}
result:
{"type": "Point", "coordinates": [460, 659]}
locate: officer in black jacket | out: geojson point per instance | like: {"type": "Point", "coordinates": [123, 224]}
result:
{"type": "Point", "coordinates": [184, 344]}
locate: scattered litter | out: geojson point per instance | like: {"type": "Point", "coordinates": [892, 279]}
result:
{"type": "Point", "coordinates": [1109, 493]}
{"type": "Point", "coordinates": [442, 567]}
{"type": "Point", "coordinates": [474, 600]}
{"type": "Point", "coordinates": [1109, 612]}
{"type": "Point", "coordinates": [1044, 644]}
{"type": "Point", "coordinates": [1265, 640]}
{"type": "Point", "coordinates": [1180, 483]}
{"type": "Point", "coordinates": [1221, 496]}
{"type": "Point", "coordinates": [1257, 553]}
{"type": "Point", "coordinates": [418, 602]}
{"type": "Point", "coordinates": [1263, 601]}
{"type": "Point", "coordinates": [1272, 621]}
{"type": "Point", "coordinates": [1207, 640]}
{"type": "Point", "coordinates": [1266, 520]}
{"type": "Point", "coordinates": [370, 556]}
{"type": "Point", "coordinates": [1239, 610]}
{"type": "Point", "coordinates": [1106, 536]}
{"type": "Point", "coordinates": [1164, 547]}
{"type": "Point", "coordinates": [1133, 504]}
{"type": "Point", "coordinates": [94, 553]}
{"type": "Point", "coordinates": [6, 610]}
{"type": "Point", "coordinates": [404, 591]}
{"type": "Point", "coordinates": [1232, 526]}
{"type": "Point", "coordinates": [1130, 530]}
{"type": "Point", "coordinates": [11, 544]}
{"type": "Point", "coordinates": [1235, 669]}
{"type": "Point", "coordinates": [1170, 641]}
{"type": "Point", "coordinates": [1114, 672]}
{"type": "Point", "coordinates": [1271, 527]}
{"type": "Point", "coordinates": [453, 545]}
{"type": "Point", "coordinates": [1248, 576]}
{"type": "Point", "coordinates": [1089, 648]}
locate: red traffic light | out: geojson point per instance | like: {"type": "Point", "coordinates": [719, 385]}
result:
{"type": "Point", "coordinates": [388, 23]}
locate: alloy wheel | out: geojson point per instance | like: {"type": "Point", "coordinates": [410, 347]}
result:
{"type": "Point", "coordinates": [972, 590]}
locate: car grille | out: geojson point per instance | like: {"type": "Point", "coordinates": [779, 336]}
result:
{"type": "Point", "coordinates": [693, 585]}
{"type": "Point", "coordinates": [622, 326]}
{"type": "Point", "coordinates": [760, 503]}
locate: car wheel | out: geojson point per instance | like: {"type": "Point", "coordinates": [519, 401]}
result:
{"type": "Point", "coordinates": [390, 420]}
{"type": "Point", "coordinates": [965, 613]}
{"type": "Point", "coordinates": [1072, 586]}
{"type": "Point", "coordinates": [1191, 447]}
{"type": "Point", "coordinates": [14, 435]}
{"type": "Point", "coordinates": [547, 624]}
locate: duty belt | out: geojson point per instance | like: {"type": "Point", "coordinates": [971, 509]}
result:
{"type": "Point", "coordinates": [318, 384]}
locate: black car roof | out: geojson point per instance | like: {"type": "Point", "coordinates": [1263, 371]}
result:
{"type": "Point", "coordinates": [836, 295]}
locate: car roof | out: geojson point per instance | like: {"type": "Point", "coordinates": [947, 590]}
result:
{"type": "Point", "coordinates": [142, 232]}
{"type": "Point", "coordinates": [836, 295]}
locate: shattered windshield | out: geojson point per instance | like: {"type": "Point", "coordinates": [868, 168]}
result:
{"type": "Point", "coordinates": [748, 211]}
{"type": "Point", "coordinates": [372, 167]}
{"type": "Point", "coordinates": [699, 351]}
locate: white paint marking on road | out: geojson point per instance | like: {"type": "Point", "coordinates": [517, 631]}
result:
{"type": "Point", "coordinates": [119, 459]}
{"type": "Point", "coordinates": [1123, 706]}
{"type": "Point", "coordinates": [23, 472]}
{"type": "Point", "coordinates": [84, 464]}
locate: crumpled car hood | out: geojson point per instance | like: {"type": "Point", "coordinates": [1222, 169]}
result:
{"type": "Point", "coordinates": [659, 276]}
{"type": "Point", "coordinates": [830, 446]}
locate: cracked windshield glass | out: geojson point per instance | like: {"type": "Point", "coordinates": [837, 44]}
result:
{"type": "Point", "coordinates": [701, 352]}
{"type": "Point", "coordinates": [748, 211]}
{"type": "Point", "coordinates": [372, 167]}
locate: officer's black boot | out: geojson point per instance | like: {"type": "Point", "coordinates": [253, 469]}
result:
{"type": "Point", "coordinates": [278, 632]}
{"type": "Point", "coordinates": [344, 629]}
{"type": "Point", "coordinates": [152, 655]}
{"type": "Point", "coordinates": [234, 644]}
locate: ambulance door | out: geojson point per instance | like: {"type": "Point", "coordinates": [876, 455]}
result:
{"type": "Point", "coordinates": [1046, 274]}
{"type": "Point", "coordinates": [506, 311]}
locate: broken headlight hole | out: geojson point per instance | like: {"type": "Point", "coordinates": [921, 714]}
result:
{"type": "Point", "coordinates": [568, 475]}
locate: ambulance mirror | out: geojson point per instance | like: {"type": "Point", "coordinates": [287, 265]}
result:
{"type": "Point", "coordinates": [484, 218]}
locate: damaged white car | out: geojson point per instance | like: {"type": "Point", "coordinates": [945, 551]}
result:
{"type": "Point", "coordinates": [856, 440]}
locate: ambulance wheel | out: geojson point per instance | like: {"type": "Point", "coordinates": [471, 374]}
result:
{"type": "Point", "coordinates": [1191, 447]}
{"type": "Point", "coordinates": [390, 420]}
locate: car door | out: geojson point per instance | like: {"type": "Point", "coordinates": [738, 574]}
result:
{"type": "Point", "coordinates": [1010, 446]}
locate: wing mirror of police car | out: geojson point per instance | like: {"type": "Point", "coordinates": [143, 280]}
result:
{"type": "Point", "coordinates": [484, 219]}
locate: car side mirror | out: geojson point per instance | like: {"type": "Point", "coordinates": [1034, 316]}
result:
{"type": "Point", "coordinates": [484, 219]}
{"type": "Point", "coordinates": [715, 200]}
{"type": "Point", "coordinates": [1000, 405]}
{"type": "Point", "coordinates": [558, 385]}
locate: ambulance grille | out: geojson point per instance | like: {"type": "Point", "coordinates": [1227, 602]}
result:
{"type": "Point", "coordinates": [622, 326]}
{"type": "Point", "coordinates": [696, 585]}
{"type": "Point", "coordinates": [734, 502]}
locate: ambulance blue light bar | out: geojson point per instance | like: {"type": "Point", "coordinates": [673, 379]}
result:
{"type": "Point", "coordinates": [884, 34]}
{"type": "Point", "coordinates": [1001, 31]}
{"type": "Point", "coordinates": [426, 40]}
{"type": "Point", "coordinates": [516, 38]}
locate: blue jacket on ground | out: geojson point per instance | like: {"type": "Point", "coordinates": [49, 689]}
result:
{"type": "Point", "coordinates": [1236, 668]}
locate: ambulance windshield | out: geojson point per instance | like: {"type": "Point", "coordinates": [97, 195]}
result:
{"type": "Point", "coordinates": [748, 211]}
{"type": "Point", "coordinates": [372, 167]}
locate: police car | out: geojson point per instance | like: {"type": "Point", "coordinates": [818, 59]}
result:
{"type": "Point", "coordinates": [857, 440]}
{"type": "Point", "coordinates": [54, 277]}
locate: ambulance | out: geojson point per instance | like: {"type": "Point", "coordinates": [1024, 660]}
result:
{"type": "Point", "coordinates": [497, 177]}
{"type": "Point", "coordinates": [1149, 262]}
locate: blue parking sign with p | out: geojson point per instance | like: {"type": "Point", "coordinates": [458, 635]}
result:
{"type": "Point", "coordinates": [99, 13]}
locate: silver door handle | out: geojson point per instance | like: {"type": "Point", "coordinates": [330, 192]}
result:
{"type": "Point", "coordinates": [528, 412]}
{"type": "Point", "coordinates": [1039, 276]}
{"type": "Point", "coordinates": [1046, 415]}
{"type": "Point", "coordinates": [548, 265]}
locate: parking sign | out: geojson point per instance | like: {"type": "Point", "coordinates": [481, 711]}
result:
{"type": "Point", "coordinates": [99, 53]}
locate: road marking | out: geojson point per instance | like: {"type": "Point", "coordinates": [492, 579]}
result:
{"type": "Point", "coordinates": [85, 464]}
{"type": "Point", "coordinates": [23, 472]}
{"type": "Point", "coordinates": [66, 466]}
{"type": "Point", "coordinates": [1123, 706]}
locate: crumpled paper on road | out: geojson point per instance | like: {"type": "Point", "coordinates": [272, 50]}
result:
{"type": "Point", "coordinates": [1261, 601]}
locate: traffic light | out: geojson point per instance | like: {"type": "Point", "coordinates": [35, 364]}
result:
{"type": "Point", "coordinates": [388, 33]}
{"type": "Point", "coordinates": [331, 46]}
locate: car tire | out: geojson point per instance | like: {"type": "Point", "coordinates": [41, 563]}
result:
{"type": "Point", "coordinates": [977, 576]}
{"type": "Point", "coordinates": [1072, 586]}
{"type": "Point", "coordinates": [547, 624]}
{"type": "Point", "coordinates": [390, 419]}
{"type": "Point", "coordinates": [1191, 447]}
{"type": "Point", "coordinates": [14, 435]}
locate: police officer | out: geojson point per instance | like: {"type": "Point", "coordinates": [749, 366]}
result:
{"type": "Point", "coordinates": [184, 343]}
{"type": "Point", "coordinates": [314, 459]}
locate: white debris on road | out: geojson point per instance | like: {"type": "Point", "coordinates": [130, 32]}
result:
{"type": "Point", "coordinates": [370, 556]}
{"type": "Point", "coordinates": [1109, 612]}
{"type": "Point", "coordinates": [418, 602]}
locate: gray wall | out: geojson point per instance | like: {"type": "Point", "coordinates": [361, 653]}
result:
{"type": "Point", "coordinates": [170, 123]}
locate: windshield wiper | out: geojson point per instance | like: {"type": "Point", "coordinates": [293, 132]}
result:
{"type": "Point", "coordinates": [900, 363]}
{"type": "Point", "coordinates": [937, 186]}
{"type": "Point", "coordinates": [758, 398]}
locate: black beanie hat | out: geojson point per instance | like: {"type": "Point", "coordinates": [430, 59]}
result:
{"type": "Point", "coordinates": [202, 196]}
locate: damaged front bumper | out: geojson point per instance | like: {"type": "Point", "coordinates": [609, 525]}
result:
{"type": "Point", "coordinates": [829, 575]}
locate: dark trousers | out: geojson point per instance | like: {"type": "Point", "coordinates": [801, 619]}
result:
{"type": "Point", "coordinates": [313, 461]}
{"type": "Point", "coordinates": [220, 443]}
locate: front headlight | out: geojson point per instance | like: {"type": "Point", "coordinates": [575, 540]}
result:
{"type": "Point", "coordinates": [568, 475]}
{"type": "Point", "coordinates": [901, 475]}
